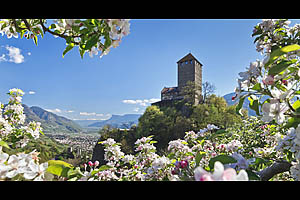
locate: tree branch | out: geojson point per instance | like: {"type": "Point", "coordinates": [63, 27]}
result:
{"type": "Point", "coordinates": [16, 25]}
{"type": "Point", "coordinates": [45, 29]}
{"type": "Point", "coordinates": [276, 168]}
{"type": "Point", "coordinates": [27, 24]}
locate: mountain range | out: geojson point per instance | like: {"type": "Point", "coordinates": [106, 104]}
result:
{"type": "Point", "coordinates": [50, 122]}
{"type": "Point", "coordinates": [117, 121]}
{"type": "Point", "coordinates": [53, 123]}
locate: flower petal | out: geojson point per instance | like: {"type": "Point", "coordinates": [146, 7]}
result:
{"type": "Point", "coordinates": [242, 176]}
{"type": "Point", "coordinates": [218, 170]}
{"type": "Point", "coordinates": [30, 175]}
{"type": "Point", "coordinates": [229, 174]}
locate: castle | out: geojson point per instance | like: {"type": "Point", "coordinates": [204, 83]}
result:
{"type": "Point", "coordinates": [189, 69]}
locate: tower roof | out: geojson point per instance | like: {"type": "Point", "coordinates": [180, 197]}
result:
{"type": "Point", "coordinates": [189, 56]}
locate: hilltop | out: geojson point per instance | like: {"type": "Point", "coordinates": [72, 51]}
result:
{"type": "Point", "coordinates": [50, 122]}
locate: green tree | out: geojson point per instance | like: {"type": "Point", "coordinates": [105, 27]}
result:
{"type": "Point", "coordinates": [215, 111]}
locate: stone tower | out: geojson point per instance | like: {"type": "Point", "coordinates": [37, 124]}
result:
{"type": "Point", "coordinates": [190, 69]}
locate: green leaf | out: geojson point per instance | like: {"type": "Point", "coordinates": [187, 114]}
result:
{"type": "Point", "coordinates": [107, 42]}
{"type": "Point", "coordinates": [199, 156]}
{"type": "Point", "coordinates": [224, 159]}
{"type": "Point", "coordinates": [297, 92]}
{"type": "Point", "coordinates": [258, 31]}
{"type": "Point", "coordinates": [292, 122]}
{"type": "Point", "coordinates": [52, 26]}
{"type": "Point", "coordinates": [280, 67]}
{"type": "Point", "coordinates": [218, 133]}
{"type": "Point", "coordinates": [279, 52]}
{"type": "Point", "coordinates": [252, 175]}
{"type": "Point", "coordinates": [102, 168]}
{"type": "Point", "coordinates": [4, 144]}
{"type": "Point", "coordinates": [81, 51]}
{"type": "Point", "coordinates": [59, 167]}
{"type": "Point", "coordinates": [72, 173]}
{"type": "Point", "coordinates": [68, 48]}
{"type": "Point", "coordinates": [254, 104]}
{"type": "Point", "coordinates": [240, 106]}
{"type": "Point", "coordinates": [296, 105]}
{"type": "Point", "coordinates": [35, 39]}
{"type": "Point", "coordinates": [91, 42]}
{"type": "Point", "coordinates": [256, 87]}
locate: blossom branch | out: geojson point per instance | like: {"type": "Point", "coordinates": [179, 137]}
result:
{"type": "Point", "coordinates": [27, 24]}
{"type": "Point", "coordinates": [276, 168]}
{"type": "Point", "coordinates": [45, 29]}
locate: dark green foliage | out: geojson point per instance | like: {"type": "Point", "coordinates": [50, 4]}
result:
{"type": "Point", "coordinates": [167, 123]}
{"type": "Point", "coordinates": [47, 147]}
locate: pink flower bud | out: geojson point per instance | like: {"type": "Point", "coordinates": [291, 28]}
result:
{"type": "Point", "coordinates": [233, 97]}
{"type": "Point", "coordinates": [269, 80]}
{"type": "Point", "coordinates": [284, 82]}
{"type": "Point", "coordinates": [183, 164]}
{"type": "Point", "coordinates": [174, 172]}
{"type": "Point", "coordinates": [90, 163]}
{"type": "Point", "coordinates": [96, 163]}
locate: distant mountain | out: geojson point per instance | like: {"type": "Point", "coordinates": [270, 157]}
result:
{"type": "Point", "coordinates": [85, 123]}
{"type": "Point", "coordinates": [50, 122]}
{"type": "Point", "coordinates": [118, 121]}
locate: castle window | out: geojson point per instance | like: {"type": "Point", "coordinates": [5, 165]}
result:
{"type": "Point", "coordinates": [191, 61]}
{"type": "Point", "coordinates": [186, 62]}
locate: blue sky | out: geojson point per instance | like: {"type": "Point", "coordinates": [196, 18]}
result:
{"type": "Point", "coordinates": [136, 71]}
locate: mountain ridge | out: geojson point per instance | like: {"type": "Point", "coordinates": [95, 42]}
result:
{"type": "Point", "coordinates": [50, 122]}
{"type": "Point", "coordinates": [116, 121]}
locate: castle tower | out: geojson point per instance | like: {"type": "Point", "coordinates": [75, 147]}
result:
{"type": "Point", "coordinates": [190, 69]}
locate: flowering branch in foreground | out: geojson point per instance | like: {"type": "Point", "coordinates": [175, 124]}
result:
{"type": "Point", "coordinates": [90, 35]}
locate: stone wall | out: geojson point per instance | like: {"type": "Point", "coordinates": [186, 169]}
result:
{"type": "Point", "coordinates": [190, 70]}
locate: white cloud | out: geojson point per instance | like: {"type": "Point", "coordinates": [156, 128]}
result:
{"type": "Point", "coordinates": [91, 114]}
{"type": "Point", "coordinates": [14, 54]}
{"type": "Point", "coordinates": [56, 110]}
{"type": "Point", "coordinates": [2, 58]}
{"type": "Point", "coordinates": [29, 53]}
{"type": "Point", "coordinates": [136, 109]}
{"type": "Point", "coordinates": [153, 100]}
{"type": "Point", "coordinates": [144, 102]}
{"type": "Point", "coordinates": [129, 101]}
{"type": "Point", "coordinates": [70, 111]}
{"type": "Point", "coordinates": [31, 92]}
{"type": "Point", "coordinates": [89, 117]}
{"type": "Point", "coordinates": [87, 114]}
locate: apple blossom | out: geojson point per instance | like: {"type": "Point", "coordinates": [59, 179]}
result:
{"type": "Point", "coordinates": [220, 174]}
